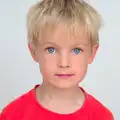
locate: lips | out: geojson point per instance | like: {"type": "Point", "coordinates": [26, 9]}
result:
{"type": "Point", "coordinates": [64, 75]}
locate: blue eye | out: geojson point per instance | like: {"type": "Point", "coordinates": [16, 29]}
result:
{"type": "Point", "coordinates": [51, 50]}
{"type": "Point", "coordinates": [76, 50]}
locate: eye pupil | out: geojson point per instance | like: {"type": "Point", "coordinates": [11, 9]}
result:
{"type": "Point", "coordinates": [76, 51]}
{"type": "Point", "coordinates": [51, 50]}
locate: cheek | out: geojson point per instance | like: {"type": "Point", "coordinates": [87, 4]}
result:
{"type": "Point", "coordinates": [80, 64]}
{"type": "Point", "coordinates": [47, 64]}
{"type": "Point", "coordinates": [80, 70]}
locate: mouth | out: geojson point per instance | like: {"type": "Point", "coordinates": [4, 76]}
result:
{"type": "Point", "coordinates": [64, 76]}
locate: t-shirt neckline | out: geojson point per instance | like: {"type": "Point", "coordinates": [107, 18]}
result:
{"type": "Point", "coordinates": [80, 112]}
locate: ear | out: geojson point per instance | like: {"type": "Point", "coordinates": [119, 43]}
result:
{"type": "Point", "coordinates": [32, 51]}
{"type": "Point", "coordinates": [93, 53]}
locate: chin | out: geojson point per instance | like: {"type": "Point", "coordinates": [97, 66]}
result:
{"type": "Point", "coordinates": [64, 85]}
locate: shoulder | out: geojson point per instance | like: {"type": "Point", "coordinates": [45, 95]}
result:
{"type": "Point", "coordinates": [17, 107]}
{"type": "Point", "coordinates": [101, 112]}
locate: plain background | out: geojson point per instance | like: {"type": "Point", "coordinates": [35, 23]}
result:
{"type": "Point", "coordinates": [19, 73]}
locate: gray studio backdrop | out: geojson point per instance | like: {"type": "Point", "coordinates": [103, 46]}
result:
{"type": "Point", "coordinates": [19, 73]}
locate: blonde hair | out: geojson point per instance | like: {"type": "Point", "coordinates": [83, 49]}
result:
{"type": "Point", "coordinates": [72, 12]}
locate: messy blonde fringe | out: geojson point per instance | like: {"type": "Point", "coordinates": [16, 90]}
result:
{"type": "Point", "coordinates": [49, 13]}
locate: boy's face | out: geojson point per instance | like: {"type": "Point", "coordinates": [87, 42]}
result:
{"type": "Point", "coordinates": [63, 57]}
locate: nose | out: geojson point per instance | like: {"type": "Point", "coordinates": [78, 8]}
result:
{"type": "Point", "coordinates": [64, 61]}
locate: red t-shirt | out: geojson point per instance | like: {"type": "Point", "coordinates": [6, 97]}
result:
{"type": "Point", "coordinates": [27, 107]}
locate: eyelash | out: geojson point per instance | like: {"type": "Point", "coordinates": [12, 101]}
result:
{"type": "Point", "coordinates": [81, 50]}
{"type": "Point", "coordinates": [49, 48]}
{"type": "Point", "coordinates": [78, 49]}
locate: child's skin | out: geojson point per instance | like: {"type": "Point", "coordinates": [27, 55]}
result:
{"type": "Point", "coordinates": [63, 52]}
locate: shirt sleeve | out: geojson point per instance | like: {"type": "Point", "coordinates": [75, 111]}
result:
{"type": "Point", "coordinates": [2, 117]}
{"type": "Point", "coordinates": [109, 117]}
{"type": "Point", "coordinates": [106, 116]}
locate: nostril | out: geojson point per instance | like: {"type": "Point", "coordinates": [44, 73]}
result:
{"type": "Point", "coordinates": [64, 66]}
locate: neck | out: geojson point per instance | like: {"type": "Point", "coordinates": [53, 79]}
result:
{"type": "Point", "coordinates": [63, 101]}
{"type": "Point", "coordinates": [46, 91]}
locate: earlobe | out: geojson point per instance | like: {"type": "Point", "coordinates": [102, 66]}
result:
{"type": "Point", "coordinates": [94, 50]}
{"type": "Point", "coordinates": [32, 51]}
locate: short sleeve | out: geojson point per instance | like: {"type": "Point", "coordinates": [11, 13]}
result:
{"type": "Point", "coordinates": [109, 116]}
{"type": "Point", "coordinates": [2, 117]}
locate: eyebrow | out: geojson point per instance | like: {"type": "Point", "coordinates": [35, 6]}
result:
{"type": "Point", "coordinates": [51, 43]}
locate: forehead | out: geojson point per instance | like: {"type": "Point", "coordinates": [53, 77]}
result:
{"type": "Point", "coordinates": [64, 35]}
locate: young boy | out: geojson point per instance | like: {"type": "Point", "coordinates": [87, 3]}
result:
{"type": "Point", "coordinates": [63, 40]}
